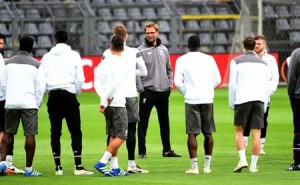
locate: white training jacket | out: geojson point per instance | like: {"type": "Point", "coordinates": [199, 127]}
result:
{"type": "Point", "coordinates": [2, 76]}
{"type": "Point", "coordinates": [196, 76]}
{"type": "Point", "coordinates": [25, 82]}
{"type": "Point", "coordinates": [249, 79]}
{"type": "Point", "coordinates": [136, 67]}
{"type": "Point", "coordinates": [63, 69]}
{"type": "Point", "coordinates": [273, 71]}
{"type": "Point", "coordinates": [109, 80]}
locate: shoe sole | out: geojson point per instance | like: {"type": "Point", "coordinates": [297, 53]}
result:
{"type": "Point", "coordinates": [196, 173]}
{"type": "Point", "coordinates": [170, 156]}
{"type": "Point", "coordinates": [239, 169]}
{"type": "Point", "coordinates": [137, 172]}
{"type": "Point", "coordinates": [292, 169]}
{"type": "Point", "coordinates": [142, 156]}
{"type": "Point", "coordinates": [121, 174]}
{"type": "Point", "coordinates": [104, 171]}
{"type": "Point", "coordinates": [11, 172]}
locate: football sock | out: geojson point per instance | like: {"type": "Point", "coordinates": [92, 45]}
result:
{"type": "Point", "coordinates": [207, 161]}
{"type": "Point", "coordinates": [113, 164]}
{"type": "Point", "coordinates": [254, 159]}
{"type": "Point", "coordinates": [9, 160]}
{"type": "Point", "coordinates": [131, 164]}
{"type": "Point", "coordinates": [242, 155]}
{"type": "Point", "coordinates": [194, 163]}
{"type": "Point", "coordinates": [29, 169]}
{"type": "Point", "coordinates": [106, 156]}
{"type": "Point", "coordinates": [262, 142]}
{"type": "Point", "coordinates": [246, 138]}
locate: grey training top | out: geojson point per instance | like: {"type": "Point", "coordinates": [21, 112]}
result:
{"type": "Point", "coordinates": [160, 74]}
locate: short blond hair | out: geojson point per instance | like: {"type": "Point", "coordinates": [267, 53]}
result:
{"type": "Point", "coordinates": [151, 25]}
{"type": "Point", "coordinates": [120, 30]}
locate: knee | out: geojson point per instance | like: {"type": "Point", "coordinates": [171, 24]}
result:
{"type": "Point", "coordinates": [208, 137]}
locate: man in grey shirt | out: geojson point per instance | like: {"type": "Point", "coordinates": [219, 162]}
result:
{"type": "Point", "coordinates": [155, 89]}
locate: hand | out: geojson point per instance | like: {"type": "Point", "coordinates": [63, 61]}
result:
{"type": "Point", "coordinates": [102, 108]}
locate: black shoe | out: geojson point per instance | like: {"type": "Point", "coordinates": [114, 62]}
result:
{"type": "Point", "coordinates": [171, 154]}
{"type": "Point", "coordinates": [294, 167]}
{"type": "Point", "coordinates": [142, 156]}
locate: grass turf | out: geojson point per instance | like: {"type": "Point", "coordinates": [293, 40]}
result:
{"type": "Point", "coordinates": [165, 170]}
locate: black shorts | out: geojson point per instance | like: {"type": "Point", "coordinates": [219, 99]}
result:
{"type": "Point", "coordinates": [199, 117]}
{"type": "Point", "coordinates": [116, 122]}
{"type": "Point", "coordinates": [251, 113]}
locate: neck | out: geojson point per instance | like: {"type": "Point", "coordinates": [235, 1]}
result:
{"type": "Point", "coordinates": [155, 43]}
{"type": "Point", "coordinates": [118, 53]}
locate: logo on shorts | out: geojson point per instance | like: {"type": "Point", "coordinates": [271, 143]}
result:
{"type": "Point", "coordinates": [126, 133]}
{"type": "Point", "coordinates": [144, 100]}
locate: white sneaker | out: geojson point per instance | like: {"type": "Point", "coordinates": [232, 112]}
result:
{"type": "Point", "coordinates": [207, 170]}
{"type": "Point", "coordinates": [58, 170]}
{"type": "Point", "coordinates": [240, 166]}
{"type": "Point", "coordinates": [80, 170]}
{"type": "Point", "coordinates": [262, 152]}
{"type": "Point", "coordinates": [14, 170]}
{"type": "Point", "coordinates": [192, 171]}
{"type": "Point", "coordinates": [253, 170]}
{"type": "Point", "coordinates": [137, 169]}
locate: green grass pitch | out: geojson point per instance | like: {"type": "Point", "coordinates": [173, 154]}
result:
{"type": "Point", "coordinates": [165, 170]}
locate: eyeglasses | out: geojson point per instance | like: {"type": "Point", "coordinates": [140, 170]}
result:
{"type": "Point", "coordinates": [150, 33]}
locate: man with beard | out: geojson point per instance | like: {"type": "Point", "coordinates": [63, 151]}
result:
{"type": "Point", "coordinates": [260, 50]}
{"type": "Point", "coordinates": [155, 89]}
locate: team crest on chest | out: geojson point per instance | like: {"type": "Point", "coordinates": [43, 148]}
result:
{"type": "Point", "coordinates": [161, 52]}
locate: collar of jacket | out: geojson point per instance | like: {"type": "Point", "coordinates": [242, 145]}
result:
{"type": "Point", "coordinates": [24, 53]}
{"type": "Point", "coordinates": [158, 42]}
{"type": "Point", "coordinates": [250, 52]}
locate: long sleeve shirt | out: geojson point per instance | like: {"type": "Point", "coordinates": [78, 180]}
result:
{"type": "Point", "coordinates": [273, 71]}
{"type": "Point", "coordinates": [136, 68]}
{"type": "Point", "coordinates": [109, 78]}
{"type": "Point", "coordinates": [25, 82]}
{"type": "Point", "coordinates": [63, 69]}
{"type": "Point", "coordinates": [160, 74]}
{"type": "Point", "coordinates": [196, 76]}
{"type": "Point", "coordinates": [249, 79]}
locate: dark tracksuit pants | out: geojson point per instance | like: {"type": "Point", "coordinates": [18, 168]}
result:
{"type": "Point", "coordinates": [63, 104]}
{"type": "Point", "coordinates": [295, 104]}
{"type": "Point", "coordinates": [149, 99]}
